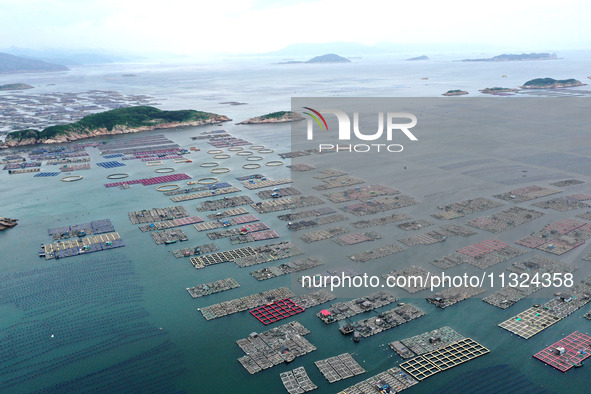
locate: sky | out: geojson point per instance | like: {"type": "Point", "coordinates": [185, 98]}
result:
{"type": "Point", "coordinates": [258, 26]}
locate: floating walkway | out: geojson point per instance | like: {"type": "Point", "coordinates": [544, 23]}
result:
{"type": "Point", "coordinates": [151, 181]}
{"type": "Point", "coordinates": [76, 230]}
{"type": "Point", "coordinates": [172, 223]}
{"type": "Point", "coordinates": [85, 245]}
{"type": "Point", "coordinates": [205, 194]}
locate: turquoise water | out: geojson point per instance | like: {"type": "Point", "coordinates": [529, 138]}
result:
{"type": "Point", "coordinates": [188, 353]}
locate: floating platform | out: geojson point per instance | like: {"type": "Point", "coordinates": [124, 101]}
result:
{"type": "Point", "coordinates": [567, 182]}
{"type": "Point", "coordinates": [286, 268]}
{"type": "Point", "coordinates": [356, 238]}
{"type": "Point", "coordinates": [460, 209]}
{"type": "Point", "coordinates": [530, 322]}
{"type": "Point", "coordinates": [566, 203]}
{"type": "Point", "coordinates": [453, 295]}
{"type": "Point", "coordinates": [213, 287]}
{"type": "Point", "coordinates": [278, 193]}
{"type": "Point", "coordinates": [23, 171]}
{"type": "Point", "coordinates": [361, 193]}
{"type": "Point", "coordinates": [273, 347]}
{"type": "Point", "coordinates": [224, 203]}
{"type": "Point", "coordinates": [254, 237]}
{"type": "Point", "coordinates": [559, 238]}
{"type": "Point", "coordinates": [443, 359]}
{"type": "Point", "coordinates": [376, 253]}
{"type": "Point", "coordinates": [344, 310]}
{"type": "Point", "coordinates": [297, 381]}
{"type": "Point", "coordinates": [387, 320]}
{"type": "Point", "coordinates": [76, 230]}
{"type": "Point", "coordinates": [45, 174]}
{"type": "Point", "coordinates": [505, 220]}
{"type": "Point", "coordinates": [110, 164]}
{"type": "Point", "coordinates": [527, 193]}
{"type": "Point", "coordinates": [338, 181]}
{"type": "Point", "coordinates": [414, 225]}
{"type": "Point", "coordinates": [84, 245]}
{"type": "Point", "coordinates": [227, 213]}
{"type": "Point", "coordinates": [320, 235]}
{"type": "Point", "coordinates": [75, 167]}
{"type": "Point", "coordinates": [438, 235]}
{"type": "Point", "coordinates": [567, 353]}
{"type": "Point", "coordinates": [226, 223]}
{"type": "Point", "coordinates": [482, 255]}
{"type": "Point", "coordinates": [244, 303]}
{"type": "Point", "coordinates": [426, 342]}
{"type": "Point", "coordinates": [306, 214]}
{"type": "Point", "coordinates": [205, 194]}
{"type": "Point", "coordinates": [221, 257]}
{"type": "Point", "coordinates": [214, 186]}
{"type": "Point", "coordinates": [299, 167]}
{"type": "Point", "coordinates": [256, 183]}
{"type": "Point", "coordinates": [381, 221]}
{"type": "Point", "coordinates": [395, 378]}
{"type": "Point", "coordinates": [276, 311]}
{"type": "Point", "coordinates": [306, 224]}
{"type": "Point", "coordinates": [194, 251]}
{"type": "Point", "coordinates": [151, 181]}
{"type": "Point", "coordinates": [171, 223]}
{"type": "Point", "coordinates": [157, 214]}
{"type": "Point", "coordinates": [339, 367]}
{"type": "Point", "coordinates": [245, 229]}
{"type": "Point", "coordinates": [281, 204]}
{"type": "Point", "coordinates": [379, 205]}
{"type": "Point", "coordinates": [168, 236]}
{"type": "Point", "coordinates": [267, 253]}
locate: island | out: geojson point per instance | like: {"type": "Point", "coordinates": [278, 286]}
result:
{"type": "Point", "coordinates": [516, 57]}
{"type": "Point", "coordinates": [456, 92]}
{"type": "Point", "coordinates": [414, 59]}
{"type": "Point", "coordinates": [116, 121]}
{"type": "Point", "coordinates": [15, 64]}
{"type": "Point", "coordinates": [15, 86]}
{"type": "Point", "coordinates": [6, 223]}
{"type": "Point", "coordinates": [497, 90]}
{"type": "Point", "coordinates": [328, 58]}
{"type": "Point", "coordinates": [551, 83]}
{"type": "Point", "coordinates": [274, 117]}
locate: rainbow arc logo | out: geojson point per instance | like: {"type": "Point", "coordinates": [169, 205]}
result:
{"type": "Point", "coordinates": [316, 118]}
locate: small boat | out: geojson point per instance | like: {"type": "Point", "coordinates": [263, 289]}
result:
{"type": "Point", "coordinates": [578, 365]}
{"type": "Point", "coordinates": [191, 183]}
{"type": "Point", "coordinates": [170, 241]}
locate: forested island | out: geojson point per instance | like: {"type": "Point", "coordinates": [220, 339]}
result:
{"type": "Point", "coordinates": [551, 83]}
{"type": "Point", "coordinates": [274, 117]}
{"type": "Point", "coordinates": [116, 121]}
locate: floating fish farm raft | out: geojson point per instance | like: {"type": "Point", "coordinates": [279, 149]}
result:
{"type": "Point", "coordinates": [206, 289]}
{"type": "Point", "coordinates": [356, 238]}
{"type": "Point", "coordinates": [299, 167]}
{"type": "Point", "coordinates": [23, 171]}
{"type": "Point", "coordinates": [256, 183]}
{"type": "Point", "coordinates": [266, 253]}
{"type": "Point", "coordinates": [226, 223]}
{"type": "Point", "coordinates": [394, 378]}
{"type": "Point", "coordinates": [387, 320]}
{"type": "Point", "coordinates": [482, 254]}
{"type": "Point", "coordinates": [214, 186]}
{"type": "Point", "coordinates": [338, 181]}
{"type": "Point", "coordinates": [361, 193]}
{"type": "Point", "coordinates": [168, 236]}
{"type": "Point", "coordinates": [417, 278]}
{"type": "Point", "coordinates": [224, 203]}
{"type": "Point", "coordinates": [276, 311]}
{"type": "Point", "coordinates": [77, 230]}
{"type": "Point", "coordinates": [97, 243]}
{"type": "Point", "coordinates": [344, 310]}
{"type": "Point", "coordinates": [157, 214]}
{"type": "Point", "coordinates": [110, 164]}
{"type": "Point", "coordinates": [194, 251]}
{"type": "Point", "coordinates": [273, 347]}
{"type": "Point", "coordinates": [221, 257]}
{"type": "Point", "coordinates": [567, 353]}
{"type": "Point", "coordinates": [379, 205]}
{"type": "Point", "coordinates": [318, 280]}
{"type": "Point", "coordinates": [297, 381]}
{"type": "Point", "coordinates": [281, 204]}
{"type": "Point", "coordinates": [460, 209]}
{"type": "Point", "coordinates": [171, 223]}
{"type": "Point", "coordinates": [453, 295]}
{"type": "Point", "coordinates": [205, 194]}
{"type": "Point", "coordinates": [414, 225]}
{"type": "Point", "coordinates": [505, 220]}
{"type": "Point", "coordinates": [46, 174]}
{"type": "Point", "coordinates": [286, 268]}
{"type": "Point", "coordinates": [560, 237]}
{"type": "Point", "coordinates": [320, 235]}
{"type": "Point", "coordinates": [425, 342]}
{"type": "Point", "coordinates": [306, 224]}
{"type": "Point", "coordinates": [509, 295]}
{"type": "Point", "coordinates": [381, 221]}
{"type": "Point", "coordinates": [339, 367]}
{"type": "Point", "coordinates": [151, 181]}
{"type": "Point", "coordinates": [75, 167]}
{"type": "Point", "coordinates": [567, 182]}
{"type": "Point", "coordinates": [438, 235]}
{"type": "Point", "coordinates": [442, 359]}
{"type": "Point", "coordinates": [376, 253]}
{"type": "Point", "coordinates": [566, 203]}
{"type": "Point", "coordinates": [306, 214]}
{"type": "Point", "coordinates": [244, 303]}
{"type": "Point", "coordinates": [527, 193]}
{"type": "Point", "coordinates": [278, 193]}
{"type": "Point", "coordinates": [228, 213]}
{"type": "Point", "coordinates": [247, 228]}
{"type": "Point", "coordinates": [530, 322]}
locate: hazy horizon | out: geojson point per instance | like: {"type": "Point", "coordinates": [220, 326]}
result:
{"type": "Point", "coordinates": [253, 27]}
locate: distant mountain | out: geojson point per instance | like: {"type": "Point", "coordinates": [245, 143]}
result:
{"type": "Point", "coordinates": [67, 57]}
{"type": "Point", "coordinates": [412, 59]}
{"type": "Point", "coordinates": [15, 86]}
{"type": "Point", "coordinates": [328, 58]}
{"type": "Point", "coordinates": [15, 64]}
{"type": "Point", "coordinates": [516, 58]}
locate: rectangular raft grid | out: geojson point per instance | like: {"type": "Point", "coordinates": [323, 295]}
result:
{"type": "Point", "coordinates": [577, 348]}
{"type": "Point", "coordinates": [45, 174]}
{"type": "Point", "coordinates": [96, 243]}
{"type": "Point", "coordinates": [529, 322]}
{"type": "Point", "coordinates": [276, 311]}
{"type": "Point", "coordinates": [110, 164]}
{"type": "Point", "coordinates": [442, 359]}
{"type": "Point", "coordinates": [297, 381]}
{"type": "Point", "coordinates": [396, 378]}
{"type": "Point", "coordinates": [339, 367]}
{"type": "Point", "coordinates": [151, 181]}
